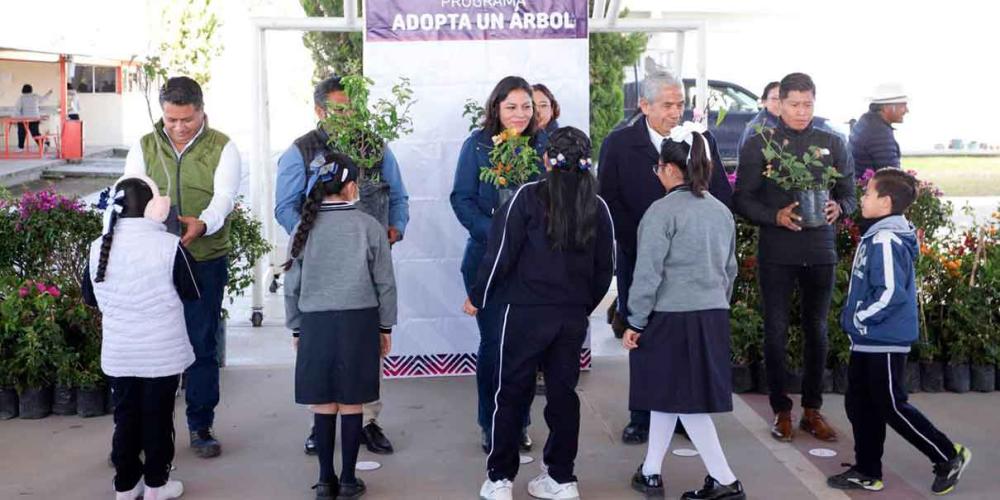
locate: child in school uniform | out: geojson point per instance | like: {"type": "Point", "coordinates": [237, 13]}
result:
{"type": "Point", "coordinates": [678, 333]}
{"type": "Point", "coordinates": [138, 274]}
{"type": "Point", "coordinates": [549, 261]}
{"type": "Point", "coordinates": [880, 316]}
{"type": "Point", "coordinates": [340, 303]}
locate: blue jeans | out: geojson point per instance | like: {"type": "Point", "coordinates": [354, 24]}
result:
{"type": "Point", "coordinates": [490, 322]}
{"type": "Point", "coordinates": [202, 317]}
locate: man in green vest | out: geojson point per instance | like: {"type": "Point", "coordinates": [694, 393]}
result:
{"type": "Point", "coordinates": [199, 168]}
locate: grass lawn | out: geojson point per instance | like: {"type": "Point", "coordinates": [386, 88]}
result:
{"type": "Point", "coordinates": [959, 176]}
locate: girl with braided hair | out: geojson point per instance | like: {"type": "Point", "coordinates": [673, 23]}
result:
{"type": "Point", "coordinates": [549, 261]}
{"type": "Point", "coordinates": [340, 303]}
{"type": "Point", "coordinates": [138, 274]}
{"type": "Point", "coordinates": [678, 334]}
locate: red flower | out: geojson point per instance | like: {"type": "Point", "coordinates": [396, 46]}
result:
{"type": "Point", "coordinates": [23, 292]}
{"type": "Point", "coordinates": [54, 291]}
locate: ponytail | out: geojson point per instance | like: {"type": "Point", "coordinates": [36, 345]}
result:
{"type": "Point", "coordinates": [692, 160]}
{"type": "Point", "coordinates": [699, 167]}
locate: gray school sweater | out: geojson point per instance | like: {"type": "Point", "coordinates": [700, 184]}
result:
{"type": "Point", "coordinates": [686, 257]}
{"type": "Point", "coordinates": [345, 265]}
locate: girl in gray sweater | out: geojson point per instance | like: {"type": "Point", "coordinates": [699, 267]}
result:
{"type": "Point", "coordinates": [679, 324]}
{"type": "Point", "coordinates": [340, 302]}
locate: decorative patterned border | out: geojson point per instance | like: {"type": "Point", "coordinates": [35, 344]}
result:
{"type": "Point", "coordinates": [444, 365]}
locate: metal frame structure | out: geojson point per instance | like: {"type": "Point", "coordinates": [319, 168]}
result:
{"type": "Point", "coordinates": [605, 18]}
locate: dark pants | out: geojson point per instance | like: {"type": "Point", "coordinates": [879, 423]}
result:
{"type": "Point", "coordinates": [550, 336]}
{"type": "Point", "coordinates": [490, 321]}
{"type": "Point", "coordinates": [144, 422]}
{"type": "Point", "coordinates": [21, 135]}
{"type": "Point", "coordinates": [777, 285]}
{"type": "Point", "coordinates": [202, 317]}
{"type": "Point", "coordinates": [875, 397]}
{"type": "Point", "coordinates": [624, 268]}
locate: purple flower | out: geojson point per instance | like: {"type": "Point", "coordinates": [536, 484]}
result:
{"type": "Point", "coordinates": [54, 291]}
{"type": "Point", "coordinates": [732, 179]}
{"type": "Point", "coordinates": [23, 292]}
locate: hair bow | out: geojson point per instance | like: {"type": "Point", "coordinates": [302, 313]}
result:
{"type": "Point", "coordinates": [114, 208]}
{"type": "Point", "coordinates": [685, 133]}
{"type": "Point", "coordinates": [326, 173]}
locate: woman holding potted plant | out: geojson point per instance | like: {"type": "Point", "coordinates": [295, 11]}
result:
{"type": "Point", "coordinates": [795, 181]}
{"type": "Point", "coordinates": [496, 158]}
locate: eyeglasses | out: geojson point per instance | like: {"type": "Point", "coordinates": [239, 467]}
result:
{"type": "Point", "coordinates": [657, 167]}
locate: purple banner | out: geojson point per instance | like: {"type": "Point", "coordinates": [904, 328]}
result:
{"type": "Point", "coordinates": [420, 20]}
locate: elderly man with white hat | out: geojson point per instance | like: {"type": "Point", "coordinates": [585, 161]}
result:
{"type": "Point", "coordinates": [873, 143]}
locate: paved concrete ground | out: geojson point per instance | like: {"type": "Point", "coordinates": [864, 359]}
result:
{"type": "Point", "coordinates": [432, 424]}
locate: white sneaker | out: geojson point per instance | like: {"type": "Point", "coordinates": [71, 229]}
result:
{"type": "Point", "coordinates": [133, 494]}
{"type": "Point", "coordinates": [173, 489]}
{"type": "Point", "coordinates": [544, 486]}
{"type": "Point", "coordinates": [496, 490]}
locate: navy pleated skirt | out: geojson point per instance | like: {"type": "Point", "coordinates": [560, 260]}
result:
{"type": "Point", "coordinates": [682, 364]}
{"type": "Point", "coordinates": [338, 357]}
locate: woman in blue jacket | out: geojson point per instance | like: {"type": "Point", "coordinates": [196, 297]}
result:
{"type": "Point", "coordinates": [510, 105]}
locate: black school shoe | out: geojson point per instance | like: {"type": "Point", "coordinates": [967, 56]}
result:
{"type": "Point", "coordinates": [712, 490]}
{"type": "Point", "coordinates": [326, 491]}
{"type": "Point", "coordinates": [310, 446]}
{"type": "Point", "coordinates": [375, 440]}
{"type": "Point", "coordinates": [651, 486]}
{"type": "Point", "coordinates": [204, 444]}
{"type": "Point", "coordinates": [947, 474]}
{"type": "Point", "coordinates": [349, 491]}
{"type": "Point", "coordinates": [852, 479]}
{"type": "Point", "coordinates": [634, 433]}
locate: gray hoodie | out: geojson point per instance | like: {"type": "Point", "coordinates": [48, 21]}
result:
{"type": "Point", "coordinates": [686, 258]}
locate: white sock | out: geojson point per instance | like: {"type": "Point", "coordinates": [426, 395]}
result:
{"type": "Point", "coordinates": [701, 430]}
{"type": "Point", "coordinates": [661, 429]}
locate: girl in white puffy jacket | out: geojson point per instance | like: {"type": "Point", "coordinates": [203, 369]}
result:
{"type": "Point", "coordinates": [137, 275]}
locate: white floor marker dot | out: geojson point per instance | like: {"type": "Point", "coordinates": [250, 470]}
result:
{"type": "Point", "coordinates": [685, 452]}
{"type": "Point", "coordinates": [822, 452]}
{"type": "Point", "coordinates": [525, 459]}
{"type": "Point", "coordinates": [367, 465]}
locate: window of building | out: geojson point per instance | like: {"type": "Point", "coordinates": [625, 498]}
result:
{"type": "Point", "coordinates": [95, 79]}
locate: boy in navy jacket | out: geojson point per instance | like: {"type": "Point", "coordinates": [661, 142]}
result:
{"type": "Point", "coordinates": [880, 316]}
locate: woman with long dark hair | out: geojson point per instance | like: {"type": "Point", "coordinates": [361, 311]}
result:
{"type": "Point", "coordinates": [546, 108]}
{"type": "Point", "coordinates": [548, 264]}
{"type": "Point", "coordinates": [474, 202]}
{"type": "Point", "coordinates": [678, 333]}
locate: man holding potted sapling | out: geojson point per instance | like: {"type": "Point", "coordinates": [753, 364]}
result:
{"type": "Point", "coordinates": [792, 253]}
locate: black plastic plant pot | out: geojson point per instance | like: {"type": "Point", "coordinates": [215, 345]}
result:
{"type": "Point", "coordinates": [956, 377]}
{"type": "Point", "coordinates": [90, 401]}
{"type": "Point", "coordinates": [840, 379]}
{"type": "Point", "coordinates": [793, 380]}
{"type": "Point", "coordinates": [64, 400]}
{"type": "Point", "coordinates": [983, 378]}
{"type": "Point", "coordinates": [374, 200]}
{"type": "Point", "coordinates": [932, 376]}
{"type": "Point", "coordinates": [760, 377]}
{"type": "Point", "coordinates": [827, 380]}
{"type": "Point", "coordinates": [742, 378]}
{"type": "Point", "coordinates": [812, 207]}
{"type": "Point", "coordinates": [8, 403]}
{"type": "Point", "coordinates": [35, 402]}
{"type": "Point", "coordinates": [912, 377]}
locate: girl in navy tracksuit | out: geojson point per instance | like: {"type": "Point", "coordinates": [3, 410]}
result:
{"type": "Point", "coordinates": [509, 106]}
{"type": "Point", "coordinates": [548, 263]}
{"type": "Point", "coordinates": [880, 315]}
